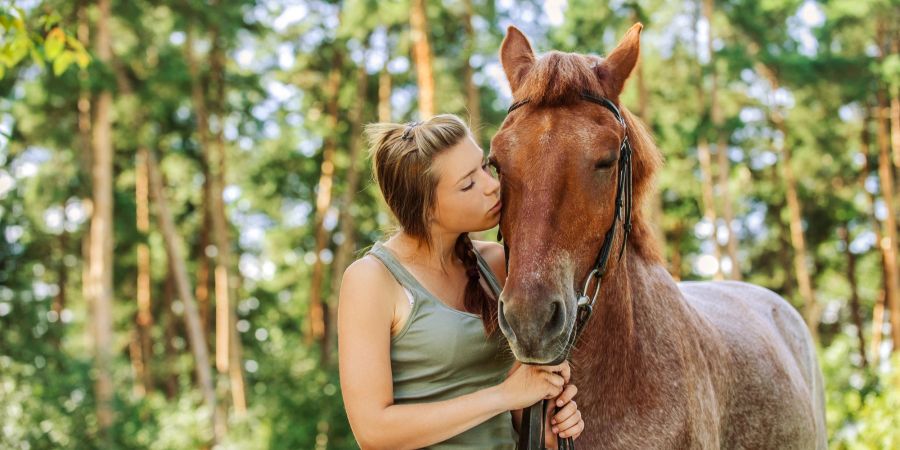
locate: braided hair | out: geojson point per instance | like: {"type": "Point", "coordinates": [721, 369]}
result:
{"type": "Point", "coordinates": [476, 298]}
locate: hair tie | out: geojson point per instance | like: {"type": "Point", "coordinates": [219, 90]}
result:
{"type": "Point", "coordinates": [409, 127]}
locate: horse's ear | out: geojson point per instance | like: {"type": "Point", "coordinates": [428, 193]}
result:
{"type": "Point", "coordinates": [617, 66]}
{"type": "Point", "coordinates": [516, 56]}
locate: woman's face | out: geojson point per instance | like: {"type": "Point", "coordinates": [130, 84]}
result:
{"type": "Point", "coordinates": [467, 194]}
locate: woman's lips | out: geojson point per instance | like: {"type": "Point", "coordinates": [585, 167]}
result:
{"type": "Point", "coordinates": [496, 208]}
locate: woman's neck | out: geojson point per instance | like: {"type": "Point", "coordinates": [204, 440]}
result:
{"type": "Point", "coordinates": [440, 256]}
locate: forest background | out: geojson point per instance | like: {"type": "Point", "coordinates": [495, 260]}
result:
{"type": "Point", "coordinates": [183, 182]}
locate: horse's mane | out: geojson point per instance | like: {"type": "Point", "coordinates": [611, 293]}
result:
{"type": "Point", "coordinates": [557, 79]}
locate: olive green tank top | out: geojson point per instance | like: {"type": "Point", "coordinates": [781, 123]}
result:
{"type": "Point", "coordinates": [443, 353]}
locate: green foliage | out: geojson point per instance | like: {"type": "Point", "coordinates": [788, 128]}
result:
{"type": "Point", "coordinates": [862, 403]}
{"type": "Point", "coordinates": [51, 44]}
{"type": "Point", "coordinates": [274, 118]}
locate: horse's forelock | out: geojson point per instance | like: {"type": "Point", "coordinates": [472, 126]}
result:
{"type": "Point", "coordinates": [559, 78]}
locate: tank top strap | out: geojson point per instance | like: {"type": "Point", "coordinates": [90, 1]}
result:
{"type": "Point", "coordinates": [488, 275]}
{"type": "Point", "coordinates": [407, 280]}
{"type": "Point", "coordinates": [403, 276]}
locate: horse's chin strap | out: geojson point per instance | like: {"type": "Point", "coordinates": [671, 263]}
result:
{"type": "Point", "coordinates": [531, 434]}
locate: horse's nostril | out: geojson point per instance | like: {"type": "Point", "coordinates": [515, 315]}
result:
{"type": "Point", "coordinates": [557, 318]}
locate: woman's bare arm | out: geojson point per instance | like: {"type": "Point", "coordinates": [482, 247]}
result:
{"type": "Point", "coordinates": [365, 313]}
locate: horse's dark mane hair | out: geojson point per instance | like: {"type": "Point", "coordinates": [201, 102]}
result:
{"type": "Point", "coordinates": [557, 79]}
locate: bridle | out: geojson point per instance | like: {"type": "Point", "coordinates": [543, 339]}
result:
{"type": "Point", "coordinates": [531, 436]}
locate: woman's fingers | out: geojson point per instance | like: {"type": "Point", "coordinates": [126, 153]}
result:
{"type": "Point", "coordinates": [564, 414]}
{"type": "Point", "coordinates": [563, 369]}
{"type": "Point", "coordinates": [555, 380]}
{"type": "Point", "coordinates": [566, 371]}
{"type": "Point", "coordinates": [571, 421]}
{"type": "Point", "coordinates": [554, 387]}
{"type": "Point", "coordinates": [567, 395]}
{"type": "Point", "coordinates": [573, 431]}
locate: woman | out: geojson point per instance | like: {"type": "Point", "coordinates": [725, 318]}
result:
{"type": "Point", "coordinates": [422, 362]}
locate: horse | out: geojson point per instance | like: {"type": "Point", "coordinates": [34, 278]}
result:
{"type": "Point", "coordinates": [661, 364]}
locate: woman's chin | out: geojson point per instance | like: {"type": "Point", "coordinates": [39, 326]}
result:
{"type": "Point", "coordinates": [487, 225]}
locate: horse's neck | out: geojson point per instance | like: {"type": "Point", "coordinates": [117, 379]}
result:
{"type": "Point", "coordinates": [623, 333]}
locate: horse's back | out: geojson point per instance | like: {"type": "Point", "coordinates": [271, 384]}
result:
{"type": "Point", "coordinates": [772, 362]}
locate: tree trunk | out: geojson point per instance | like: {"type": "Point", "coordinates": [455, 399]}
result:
{"type": "Point", "coordinates": [421, 50]}
{"type": "Point", "coordinates": [86, 159]}
{"type": "Point", "coordinates": [384, 115]}
{"type": "Point", "coordinates": [473, 96]}
{"type": "Point", "coordinates": [217, 168]}
{"type": "Point", "coordinates": [706, 176]}
{"type": "Point", "coordinates": [144, 314]}
{"type": "Point", "coordinates": [203, 278]}
{"type": "Point", "coordinates": [101, 248]}
{"type": "Point", "coordinates": [895, 125]}
{"type": "Point", "coordinates": [804, 279]}
{"type": "Point", "coordinates": [855, 313]}
{"type": "Point", "coordinates": [721, 146]}
{"type": "Point", "coordinates": [384, 95]}
{"type": "Point", "coordinates": [878, 310]}
{"type": "Point", "coordinates": [317, 313]}
{"type": "Point", "coordinates": [348, 231]}
{"type": "Point", "coordinates": [168, 335]}
{"type": "Point", "coordinates": [888, 242]}
{"type": "Point", "coordinates": [182, 286]}
{"type": "Point", "coordinates": [895, 104]}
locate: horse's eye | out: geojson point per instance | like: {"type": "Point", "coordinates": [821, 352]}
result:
{"type": "Point", "coordinates": [607, 163]}
{"type": "Point", "coordinates": [493, 163]}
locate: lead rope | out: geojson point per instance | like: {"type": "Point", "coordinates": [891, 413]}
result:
{"type": "Point", "coordinates": [531, 435]}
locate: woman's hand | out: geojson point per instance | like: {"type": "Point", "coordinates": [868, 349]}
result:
{"type": "Point", "coordinates": [529, 384]}
{"type": "Point", "coordinates": [567, 421]}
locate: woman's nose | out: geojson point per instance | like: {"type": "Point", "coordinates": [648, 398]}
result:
{"type": "Point", "coordinates": [492, 186]}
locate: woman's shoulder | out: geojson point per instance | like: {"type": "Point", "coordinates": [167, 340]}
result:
{"type": "Point", "coordinates": [493, 254]}
{"type": "Point", "coordinates": [367, 270]}
{"type": "Point", "coordinates": [368, 276]}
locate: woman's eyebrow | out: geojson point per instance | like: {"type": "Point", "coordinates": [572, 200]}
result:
{"type": "Point", "coordinates": [483, 160]}
{"type": "Point", "coordinates": [466, 175]}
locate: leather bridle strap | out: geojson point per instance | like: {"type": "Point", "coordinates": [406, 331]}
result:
{"type": "Point", "coordinates": [531, 434]}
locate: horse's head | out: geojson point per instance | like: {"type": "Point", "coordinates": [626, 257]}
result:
{"type": "Point", "coordinates": [558, 160]}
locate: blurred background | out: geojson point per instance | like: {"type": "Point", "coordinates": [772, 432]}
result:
{"type": "Point", "coordinates": [183, 182]}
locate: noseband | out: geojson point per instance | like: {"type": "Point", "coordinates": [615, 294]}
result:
{"type": "Point", "coordinates": [531, 436]}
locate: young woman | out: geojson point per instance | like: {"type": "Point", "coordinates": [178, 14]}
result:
{"type": "Point", "coordinates": [422, 362]}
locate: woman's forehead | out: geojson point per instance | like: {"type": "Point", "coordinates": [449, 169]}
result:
{"type": "Point", "coordinates": [454, 163]}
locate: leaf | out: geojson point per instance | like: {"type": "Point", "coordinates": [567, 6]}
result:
{"type": "Point", "coordinates": [51, 19]}
{"type": "Point", "coordinates": [36, 57]}
{"type": "Point", "coordinates": [82, 59]}
{"type": "Point", "coordinates": [75, 44]}
{"type": "Point", "coordinates": [56, 41]}
{"type": "Point", "coordinates": [61, 63]}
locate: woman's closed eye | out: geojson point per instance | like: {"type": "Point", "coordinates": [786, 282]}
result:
{"type": "Point", "coordinates": [485, 166]}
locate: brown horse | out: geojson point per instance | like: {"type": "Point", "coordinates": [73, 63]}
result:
{"type": "Point", "coordinates": [660, 364]}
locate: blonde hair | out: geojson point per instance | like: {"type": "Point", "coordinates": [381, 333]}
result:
{"type": "Point", "coordinates": [403, 165]}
